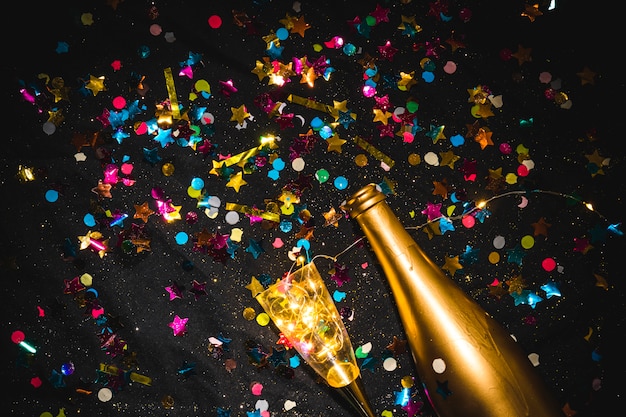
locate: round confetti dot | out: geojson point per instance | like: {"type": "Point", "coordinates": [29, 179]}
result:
{"type": "Point", "coordinates": [505, 148]}
{"type": "Point", "coordinates": [428, 76]}
{"type": "Point", "coordinates": [18, 336]}
{"type": "Point", "coordinates": [67, 368]}
{"type": "Point", "coordinates": [522, 170]}
{"type": "Point", "coordinates": [263, 319]}
{"type": "Point", "coordinates": [89, 220]}
{"type": "Point", "coordinates": [282, 34]}
{"type": "Point", "coordinates": [370, 20]}
{"type": "Point", "coordinates": [369, 91]}
{"type": "Point", "coordinates": [390, 364]}
{"type": "Point", "coordinates": [510, 178]}
{"type": "Point", "coordinates": [341, 183]}
{"type": "Point", "coordinates": [349, 49]}
{"type": "Point", "coordinates": [475, 110]}
{"type": "Point", "coordinates": [450, 67]}
{"type": "Point", "coordinates": [214, 201]}
{"type": "Point", "coordinates": [52, 196]}
{"type": "Point", "coordinates": [298, 164]}
{"type": "Point", "coordinates": [207, 119]}
{"type": "Point", "coordinates": [278, 164]}
{"type": "Point", "coordinates": [322, 175]}
{"type": "Point", "coordinates": [529, 164]}
{"type": "Point", "coordinates": [249, 313]}
{"type": "Point", "coordinates": [119, 102]}
{"type": "Point", "coordinates": [528, 242]}
{"type": "Point", "coordinates": [197, 183]}
{"type": "Point", "coordinates": [412, 106]}
{"type": "Point", "coordinates": [316, 123]}
{"type": "Point", "coordinates": [326, 132]}
{"type": "Point", "coordinates": [155, 30]}
{"type": "Point", "coordinates": [46, 414]}
{"type": "Point", "coordinates": [468, 221]}
{"type": "Point", "coordinates": [232, 217]}
{"type": "Point", "coordinates": [193, 192]}
{"type": "Point", "coordinates": [167, 169]}
{"type": "Point", "coordinates": [215, 21]}
{"type": "Point", "coordinates": [86, 279]}
{"type": "Point", "coordinates": [548, 264]}
{"type": "Point", "coordinates": [105, 394]}
{"type": "Point", "coordinates": [407, 382]}
{"type": "Point", "coordinates": [182, 238]}
{"type": "Point", "coordinates": [49, 128]}
{"type": "Point", "coordinates": [127, 168]}
{"type": "Point", "coordinates": [545, 77]}
{"type": "Point", "coordinates": [499, 242]}
{"type": "Point", "coordinates": [431, 158]}
{"type": "Point", "coordinates": [414, 159]}
{"type": "Point", "coordinates": [36, 382]}
{"type": "Point", "coordinates": [360, 160]}
{"type": "Point", "coordinates": [439, 365]}
{"type": "Point", "coordinates": [494, 257]}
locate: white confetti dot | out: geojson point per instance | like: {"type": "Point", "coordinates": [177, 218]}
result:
{"type": "Point", "coordinates": [439, 365]}
{"type": "Point", "coordinates": [390, 364]}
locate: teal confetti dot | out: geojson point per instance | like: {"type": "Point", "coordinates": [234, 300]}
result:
{"type": "Point", "coordinates": [182, 238]}
{"type": "Point", "coordinates": [341, 183]}
{"type": "Point", "coordinates": [326, 132]}
{"type": "Point", "coordinates": [278, 164]}
{"type": "Point", "coordinates": [457, 140]}
{"type": "Point", "coordinates": [273, 174]}
{"type": "Point", "coordinates": [317, 123]}
{"type": "Point", "coordinates": [339, 296]}
{"type": "Point", "coordinates": [282, 34]}
{"type": "Point", "coordinates": [286, 226]}
{"type": "Point", "coordinates": [143, 52]}
{"type": "Point", "coordinates": [197, 183]}
{"type": "Point", "coordinates": [52, 196]}
{"type": "Point", "coordinates": [428, 76]}
{"type": "Point", "coordinates": [349, 49]}
{"type": "Point", "coordinates": [89, 220]}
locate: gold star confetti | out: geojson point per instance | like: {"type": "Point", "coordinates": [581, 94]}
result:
{"type": "Point", "coordinates": [299, 26]}
{"type": "Point", "coordinates": [587, 76]}
{"type": "Point", "coordinates": [483, 138]}
{"type": "Point", "coordinates": [522, 55]}
{"type": "Point", "coordinates": [255, 287]}
{"type": "Point", "coordinates": [143, 212]}
{"type": "Point", "coordinates": [239, 114]}
{"type": "Point", "coordinates": [531, 11]}
{"type": "Point", "coordinates": [95, 84]}
{"type": "Point", "coordinates": [332, 217]}
{"type": "Point", "coordinates": [448, 158]}
{"type": "Point", "coordinates": [236, 181]}
{"type": "Point", "coordinates": [452, 264]}
{"type": "Point", "coordinates": [381, 116]}
{"type": "Point", "coordinates": [335, 143]}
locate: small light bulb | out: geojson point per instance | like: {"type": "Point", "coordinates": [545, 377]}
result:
{"type": "Point", "coordinates": [481, 204]}
{"type": "Point", "coordinates": [589, 206]}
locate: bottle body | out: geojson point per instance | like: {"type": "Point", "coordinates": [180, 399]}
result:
{"type": "Point", "coordinates": [469, 364]}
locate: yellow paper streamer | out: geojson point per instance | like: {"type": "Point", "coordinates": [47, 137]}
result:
{"type": "Point", "coordinates": [274, 217]}
{"type": "Point", "coordinates": [312, 104]}
{"type": "Point", "coordinates": [135, 377]}
{"type": "Point", "coordinates": [369, 148]}
{"type": "Point", "coordinates": [235, 159]}
{"type": "Point", "coordinates": [171, 92]}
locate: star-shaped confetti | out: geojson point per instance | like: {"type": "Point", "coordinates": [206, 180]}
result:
{"type": "Point", "coordinates": [236, 181]}
{"type": "Point", "coordinates": [452, 264]}
{"type": "Point", "coordinates": [179, 325]}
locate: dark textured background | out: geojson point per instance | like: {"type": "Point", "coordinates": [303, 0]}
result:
{"type": "Point", "coordinates": [576, 335]}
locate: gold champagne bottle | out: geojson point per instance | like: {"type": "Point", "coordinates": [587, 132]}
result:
{"type": "Point", "coordinates": [469, 365]}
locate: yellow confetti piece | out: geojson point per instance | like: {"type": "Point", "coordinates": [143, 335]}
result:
{"type": "Point", "coordinates": [311, 104]}
{"type": "Point", "coordinates": [274, 217]}
{"type": "Point", "coordinates": [528, 242]}
{"type": "Point", "coordinates": [171, 92]}
{"type": "Point", "coordinates": [263, 319]}
{"type": "Point", "coordinates": [369, 148]}
{"type": "Point", "coordinates": [511, 178]}
{"type": "Point", "coordinates": [494, 257]}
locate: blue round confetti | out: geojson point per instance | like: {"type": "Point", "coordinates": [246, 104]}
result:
{"type": "Point", "coordinates": [89, 220]}
{"type": "Point", "coordinates": [349, 49]}
{"type": "Point", "coordinates": [67, 368]}
{"type": "Point", "coordinates": [316, 123]}
{"type": "Point", "coordinates": [286, 226]}
{"type": "Point", "coordinates": [341, 183]}
{"type": "Point", "coordinates": [278, 164]}
{"type": "Point", "coordinates": [428, 76]}
{"type": "Point", "coordinates": [52, 196]}
{"type": "Point", "coordinates": [273, 174]}
{"type": "Point", "coordinates": [282, 34]}
{"type": "Point", "coordinates": [197, 183]}
{"type": "Point", "coordinates": [326, 132]}
{"type": "Point", "coordinates": [457, 140]}
{"type": "Point", "coordinates": [182, 238]}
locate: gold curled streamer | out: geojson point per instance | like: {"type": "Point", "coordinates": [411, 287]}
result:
{"type": "Point", "coordinates": [171, 92]}
{"type": "Point", "coordinates": [311, 104]}
{"type": "Point", "coordinates": [371, 149]}
{"type": "Point", "coordinates": [134, 376]}
{"type": "Point", "coordinates": [266, 215]}
{"type": "Point", "coordinates": [235, 159]}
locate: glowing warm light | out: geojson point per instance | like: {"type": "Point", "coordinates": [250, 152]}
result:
{"type": "Point", "coordinates": [267, 139]}
{"type": "Point", "coordinates": [304, 311]}
{"type": "Point", "coordinates": [481, 204]}
{"type": "Point", "coordinates": [589, 206]}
